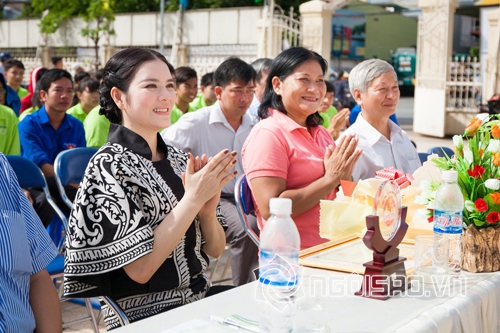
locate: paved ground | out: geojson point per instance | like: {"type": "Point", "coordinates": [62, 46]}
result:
{"type": "Point", "coordinates": [404, 114]}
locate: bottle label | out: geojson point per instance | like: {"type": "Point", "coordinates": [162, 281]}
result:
{"type": "Point", "coordinates": [280, 270]}
{"type": "Point", "coordinates": [447, 222]}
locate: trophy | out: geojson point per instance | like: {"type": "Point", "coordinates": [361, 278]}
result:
{"type": "Point", "coordinates": [385, 275]}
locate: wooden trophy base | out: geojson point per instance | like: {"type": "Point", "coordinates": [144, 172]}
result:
{"type": "Point", "coordinates": [385, 276]}
{"type": "Point", "coordinates": [383, 282]}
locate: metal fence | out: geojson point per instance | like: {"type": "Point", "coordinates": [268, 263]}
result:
{"type": "Point", "coordinates": [289, 27]}
{"type": "Point", "coordinates": [464, 84]}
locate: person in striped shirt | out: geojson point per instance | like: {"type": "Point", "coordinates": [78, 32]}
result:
{"type": "Point", "coordinates": [28, 298]}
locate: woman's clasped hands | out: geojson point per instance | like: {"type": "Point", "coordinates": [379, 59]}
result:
{"type": "Point", "coordinates": [205, 177]}
{"type": "Point", "coordinates": [339, 161]}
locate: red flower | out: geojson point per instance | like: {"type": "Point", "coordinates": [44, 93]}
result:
{"type": "Point", "coordinates": [492, 217]}
{"type": "Point", "coordinates": [476, 172]}
{"type": "Point", "coordinates": [431, 218]}
{"type": "Point", "coordinates": [481, 205]}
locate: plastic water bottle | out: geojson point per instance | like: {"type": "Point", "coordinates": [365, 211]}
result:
{"type": "Point", "coordinates": [278, 268]}
{"type": "Point", "coordinates": [448, 207]}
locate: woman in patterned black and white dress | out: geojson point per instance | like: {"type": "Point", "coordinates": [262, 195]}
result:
{"type": "Point", "coordinates": [146, 214]}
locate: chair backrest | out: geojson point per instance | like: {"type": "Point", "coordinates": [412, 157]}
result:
{"type": "Point", "coordinates": [423, 157]}
{"type": "Point", "coordinates": [245, 206]}
{"type": "Point", "coordinates": [69, 168]}
{"type": "Point", "coordinates": [29, 175]}
{"type": "Point", "coordinates": [441, 151]}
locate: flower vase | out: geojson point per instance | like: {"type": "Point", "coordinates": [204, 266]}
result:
{"type": "Point", "coordinates": [481, 249]}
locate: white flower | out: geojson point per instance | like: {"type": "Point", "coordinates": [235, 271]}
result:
{"type": "Point", "coordinates": [458, 142]}
{"type": "Point", "coordinates": [494, 146]}
{"type": "Point", "coordinates": [470, 205]}
{"type": "Point", "coordinates": [421, 200]}
{"type": "Point", "coordinates": [492, 184]}
{"type": "Point", "coordinates": [469, 158]}
{"type": "Point", "coordinates": [484, 117]}
{"type": "Point", "coordinates": [422, 214]}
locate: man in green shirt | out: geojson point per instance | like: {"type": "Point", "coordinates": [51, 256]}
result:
{"type": "Point", "coordinates": [96, 128]}
{"type": "Point", "coordinates": [186, 81]}
{"type": "Point", "coordinates": [207, 96]}
{"type": "Point", "coordinates": [88, 95]}
{"type": "Point", "coordinates": [9, 135]}
{"type": "Point", "coordinates": [14, 73]}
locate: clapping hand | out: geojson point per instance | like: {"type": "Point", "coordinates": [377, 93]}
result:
{"type": "Point", "coordinates": [339, 161]}
{"type": "Point", "coordinates": [338, 122]}
{"type": "Point", "coordinates": [204, 178]}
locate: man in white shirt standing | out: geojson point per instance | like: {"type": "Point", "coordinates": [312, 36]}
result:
{"type": "Point", "coordinates": [374, 85]}
{"type": "Point", "coordinates": [224, 125]}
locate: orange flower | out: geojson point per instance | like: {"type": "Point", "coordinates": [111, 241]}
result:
{"type": "Point", "coordinates": [496, 198]}
{"type": "Point", "coordinates": [495, 159]}
{"type": "Point", "coordinates": [495, 131]}
{"type": "Point", "coordinates": [481, 151]}
{"type": "Point", "coordinates": [474, 124]}
{"type": "Point", "coordinates": [458, 152]}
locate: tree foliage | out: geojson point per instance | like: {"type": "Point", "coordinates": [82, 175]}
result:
{"type": "Point", "coordinates": [63, 9]}
{"type": "Point", "coordinates": [98, 16]}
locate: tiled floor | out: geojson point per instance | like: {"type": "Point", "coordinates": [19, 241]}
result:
{"type": "Point", "coordinates": [72, 311]}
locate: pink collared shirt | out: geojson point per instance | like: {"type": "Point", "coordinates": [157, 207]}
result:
{"type": "Point", "coordinates": [279, 147]}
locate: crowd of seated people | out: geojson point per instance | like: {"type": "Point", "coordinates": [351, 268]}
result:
{"type": "Point", "coordinates": [163, 178]}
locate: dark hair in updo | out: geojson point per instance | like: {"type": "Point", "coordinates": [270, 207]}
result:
{"type": "Point", "coordinates": [283, 66]}
{"type": "Point", "coordinates": [119, 72]}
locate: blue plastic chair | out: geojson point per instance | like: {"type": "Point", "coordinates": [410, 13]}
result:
{"type": "Point", "coordinates": [423, 157]}
{"type": "Point", "coordinates": [245, 206]}
{"type": "Point", "coordinates": [69, 168]}
{"type": "Point", "coordinates": [441, 151]}
{"type": "Point", "coordinates": [29, 175]}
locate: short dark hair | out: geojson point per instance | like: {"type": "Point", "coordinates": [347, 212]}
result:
{"type": "Point", "coordinates": [283, 66]}
{"type": "Point", "coordinates": [233, 69]}
{"type": "Point", "coordinates": [261, 66]}
{"type": "Point", "coordinates": [35, 99]}
{"type": "Point", "coordinates": [80, 76]}
{"type": "Point", "coordinates": [184, 73]}
{"type": "Point", "coordinates": [119, 71]}
{"type": "Point", "coordinates": [99, 73]}
{"type": "Point", "coordinates": [52, 75]}
{"type": "Point", "coordinates": [55, 59]}
{"type": "Point", "coordinates": [40, 73]}
{"type": "Point", "coordinates": [329, 86]}
{"type": "Point", "coordinates": [207, 79]}
{"type": "Point", "coordinates": [90, 83]}
{"type": "Point", "coordinates": [9, 63]}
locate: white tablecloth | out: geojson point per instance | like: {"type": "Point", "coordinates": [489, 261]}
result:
{"type": "Point", "coordinates": [471, 309]}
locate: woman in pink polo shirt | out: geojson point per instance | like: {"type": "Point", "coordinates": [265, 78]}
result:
{"type": "Point", "coordinates": [288, 154]}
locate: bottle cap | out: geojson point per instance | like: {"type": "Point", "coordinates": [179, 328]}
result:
{"type": "Point", "coordinates": [449, 176]}
{"type": "Point", "coordinates": [280, 206]}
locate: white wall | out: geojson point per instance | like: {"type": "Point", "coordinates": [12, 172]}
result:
{"type": "Point", "coordinates": [200, 27]}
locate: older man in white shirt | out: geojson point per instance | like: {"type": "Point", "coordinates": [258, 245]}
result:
{"type": "Point", "coordinates": [374, 85]}
{"type": "Point", "coordinates": [224, 125]}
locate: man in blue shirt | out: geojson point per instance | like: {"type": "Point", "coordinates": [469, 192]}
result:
{"type": "Point", "coordinates": [28, 298]}
{"type": "Point", "coordinates": [48, 131]}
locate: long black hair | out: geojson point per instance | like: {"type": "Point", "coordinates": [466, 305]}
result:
{"type": "Point", "coordinates": [119, 72]}
{"type": "Point", "coordinates": [283, 66]}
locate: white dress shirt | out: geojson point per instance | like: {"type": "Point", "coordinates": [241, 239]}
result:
{"type": "Point", "coordinates": [253, 109]}
{"type": "Point", "coordinates": [379, 153]}
{"type": "Point", "coordinates": [207, 131]}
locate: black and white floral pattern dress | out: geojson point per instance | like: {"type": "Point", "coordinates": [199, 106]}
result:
{"type": "Point", "coordinates": [122, 198]}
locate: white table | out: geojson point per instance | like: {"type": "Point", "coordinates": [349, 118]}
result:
{"type": "Point", "coordinates": [476, 309]}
